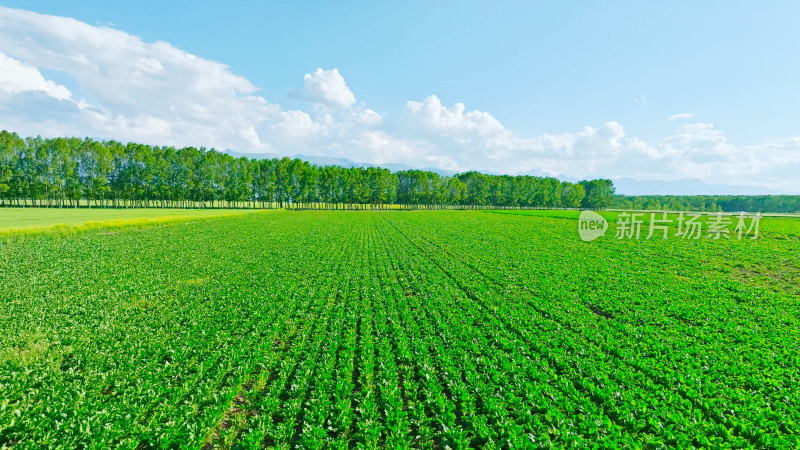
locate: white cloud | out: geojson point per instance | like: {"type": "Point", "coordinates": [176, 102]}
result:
{"type": "Point", "coordinates": [132, 90]}
{"type": "Point", "coordinates": [62, 77]}
{"type": "Point", "coordinates": [298, 125]}
{"type": "Point", "coordinates": [380, 147]}
{"type": "Point", "coordinates": [129, 89]}
{"type": "Point", "coordinates": [365, 116]}
{"type": "Point", "coordinates": [685, 115]}
{"type": "Point", "coordinates": [454, 120]}
{"type": "Point", "coordinates": [327, 87]}
{"type": "Point", "coordinates": [475, 139]}
{"type": "Point", "coordinates": [16, 77]}
{"type": "Point", "coordinates": [641, 99]}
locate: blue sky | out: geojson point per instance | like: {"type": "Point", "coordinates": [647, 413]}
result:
{"type": "Point", "coordinates": [536, 75]}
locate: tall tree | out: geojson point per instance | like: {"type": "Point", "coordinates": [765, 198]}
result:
{"type": "Point", "coordinates": [599, 194]}
{"type": "Point", "coordinates": [11, 147]}
{"type": "Point", "coordinates": [74, 172]}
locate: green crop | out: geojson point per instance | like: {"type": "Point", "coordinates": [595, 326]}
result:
{"type": "Point", "coordinates": [416, 329]}
{"type": "Point", "coordinates": [16, 222]}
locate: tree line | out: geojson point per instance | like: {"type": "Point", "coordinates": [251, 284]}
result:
{"type": "Point", "coordinates": [72, 172]}
{"type": "Point", "coordinates": [727, 203]}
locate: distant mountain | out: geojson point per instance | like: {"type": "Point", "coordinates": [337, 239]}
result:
{"type": "Point", "coordinates": [329, 161]}
{"type": "Point", "coordinates": [543, 174]}
{"type": "Point", "coordinates": [341, 162]}
{"type": "Point", "coordinates": [398, 167]}
{"type": "Point", "coordinates": [629, 186]}
{"type": "Point", "coordinates": [252, 155]}
{"type": "Point", "coordinates": [624, 186]}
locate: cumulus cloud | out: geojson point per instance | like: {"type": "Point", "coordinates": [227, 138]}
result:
{"type": "Point", "coordinates": [16, 77]}
{"type": "Point", "coordinates": [63, 77]}
{"type": "Point", "coordinates": [129, 89]}
{"type": "Point", "coordinates": [476, 139]}
{"type": "Point", "coordinates": [685, 115]}
{"type": "Point", "coordinates": [454, 120]}
{"type": "Point", "coordinates": [153, 92]}
{"type": "Point", "coordinates": [327, 87]}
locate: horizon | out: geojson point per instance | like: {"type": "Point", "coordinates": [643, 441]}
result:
{"type": "Point", "coordinates": [106, 72]}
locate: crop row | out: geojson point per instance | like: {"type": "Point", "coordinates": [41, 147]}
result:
{"type": "Point", "coordinates": [394, 330]}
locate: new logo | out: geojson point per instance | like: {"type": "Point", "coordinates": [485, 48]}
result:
{"type": "Point", "coordinates": [591, 225]}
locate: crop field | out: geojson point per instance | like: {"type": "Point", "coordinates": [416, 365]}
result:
{"type": "Point", "coordinates": [398, 329]}
{"type": "Point", "coordinates": [35, 220]}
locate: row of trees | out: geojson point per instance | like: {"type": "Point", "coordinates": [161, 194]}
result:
{"type": "Point", "coordinates": [728, 203]}
{"type": "Point", "coordinates": [84, 172]}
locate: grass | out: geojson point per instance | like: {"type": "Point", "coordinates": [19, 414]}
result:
{"type": "Point", "coordinates": [27, 221]}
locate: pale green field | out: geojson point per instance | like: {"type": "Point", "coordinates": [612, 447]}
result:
{"type": "Point", "coordinates": [32, 220]}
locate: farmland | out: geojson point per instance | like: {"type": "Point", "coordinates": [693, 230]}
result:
{"type": "Point", "coordinates": [15, 221]}
{"type": "Point", "coordinates": [422, 329]}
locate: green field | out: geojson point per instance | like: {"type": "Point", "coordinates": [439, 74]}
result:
{"type": "Point", "coordinates": [35, 220]}
{"type": "Point", "coordinates": [394, 329]}
{"type": "Point", "coordinates": [776, 226]}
